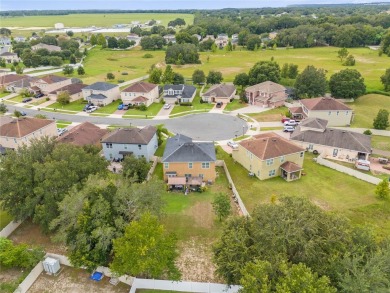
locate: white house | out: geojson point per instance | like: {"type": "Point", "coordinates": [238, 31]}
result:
{"type": "Point", "coordinates": [140, 93]}
{"type": "Point", "coordinates": [101, 93]}
{"type": "Point", "coordinates": [179, 93]}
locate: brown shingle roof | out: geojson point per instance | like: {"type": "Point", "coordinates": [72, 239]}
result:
{"type": "Point", "coordinates": [52, 79]}
{"type": "Point", "coordinates": [84, 134]}
{"type": "Point", "coordinates": [131, 135]}
{"type": "Point", "coordinates": [290, 167]}
{"type": "Point", "coordinates": [10, 78]}
{"type": "Point", "coordinates": [140, 87]}
{"type": "Point", "coordinates": [8, 54]}
{"type": "Point", "coordinates": [315, 123]}
{"type": "Point", "coordinates": [220, 90]}
{"type": "Point", "coordinates": [5, 119]}
{"type": "Point", "coordinates": [270, 145]}
{"type": "Point", "coordinates": [296, 110]}
{"type": "Point", "coordinates": [72, 89]}
{"type": "Point", "coordinates": [23, 126]}
{"type": "Point", "coordinates": [267, 87]}
{"type": "Point", "coordinates": [324, 104]}
{"type": "Point", "coordinates": [139, 99]}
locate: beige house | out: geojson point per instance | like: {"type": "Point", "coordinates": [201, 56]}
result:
{"type": "Point", "coordinates": [6, 79]}
{"type": "Point", "coordinates": [267, 94]}
{"type": "Point", "coordinates": [269, 155]}
{"type": "Point", "coordinates": [101, 93]}
{"type": "Point", "coordinates": [219, 93]}
{"type": "Point", "coordinates": [22, 84]}
{"type": "Point", "coordinates": [313, 135]}
{"type": "Point", "coordinates": [75, 91]}
{"type": "Point", "coordinates": [49, 83]}
{"type": "Point", "coordinates": [50, 48]}
{"type": "Point", "coordinates": [9, 57]}
{"type": "Point", "coordinates": [140, 93]}
{"type": "Point", "coordinates": [22, 130]}
{"type": "Point", "coordinates": [336, 112]}
{"type": "Point", "coordinates": [188, 163]}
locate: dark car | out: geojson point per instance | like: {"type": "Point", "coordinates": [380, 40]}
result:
{"type": "Point", "coordinates": [38, 95]}
{"type": "Point", "coordinates": [25, 100]}
{"type": "Point", "coordinates": [219, 105]}
{"type": "Point", "coordinates": [87, 107]}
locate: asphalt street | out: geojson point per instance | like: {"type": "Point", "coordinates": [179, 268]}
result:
{"type": "Point", "coordinates": [202, 127]}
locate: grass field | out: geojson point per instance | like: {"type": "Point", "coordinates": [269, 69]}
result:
{"type": "Point", "coordinates": [235, 105]}
{"type": "Point", "coordinates": [196, 105]}
{"type": "Point", "coordinates": [366, 108]}
{"type": "Point", "coordinates": [108, 109]}
{"type": "Point", "coordinates": [273, 115]}
{"type": "Point", "coordinates": [152, 110]}
{"type": "Point", "coordinates": [86, 20]}
{"type": "Point", "coordinates": [17, 99]}
{"type": "Point", "coordinates": [380, 142]}
{"type": "Point", "coordinates": [72, 106]}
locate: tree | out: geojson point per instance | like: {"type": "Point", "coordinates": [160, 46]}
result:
{"type": "Point", "coordinates": [2, 63]}
{"type": "Point", "coordinates": [80, 70]}
{"type": "Point", "coordinates": [385, 79]}
{"type": "Point", "coordinates": [350, 61]}
{"type": "Point", "coordinates": [178, 78]}
{"type": "Point", "coordinates": [68, 70]}
{"type": "Point", "coordinates": [241, 79]}
{"type": "Point", "coordinates": [125, 43]}
{"type": "Point", "coordinates": [347, 84]}
{"type": "Point", "coordinates": [72, 59]}
{"type": "Point", "coordinates": [101, 40]}
{"type": "Point", "coordinates": [63, 98]}
{"type": "Point", "coordinates": [253, 43]}
{"type": "Point", "coordinates": [381, 120]}
{"type": "Point", "coordinates": [198, 77]}
{"type": "Point", "coordinates": [284, 71]}
{"type": "Point", "coordinates": [153, 253]}
{"type": "Point", "coordinates": [221, 205]}
{"type": "Point", "coordinates": [168, 75]}
{"type": "Point", "coordinates": [55, 61]}
{"type": "Point", "coordinates": [110, 76]}
{"type": "Point", "coordinates": [19, 69]}
{"type": "Point", "coordinates": [3, 108]}
{"type": "Point", "coordinates": [177, 22]}
{"type": "Point", "coordinates": [137, 168]}
{"type": "Point", "coordinates": [155, 75]}
{"type": "Point", "coordinates": [311, 82]}
{"type": "Point", "coordinates": [17, 113]}
{"type": "Point", "coordinates": [264, 71]}
{"type": "Point", "coordinates": [229, 47]}
{"type": "Point", "coordinates": [93, 40]}
{"type": "Point", "coordinates": [292, 72]}
{"type": "Point", "coordinates": [214, 77]}
{"type": "Point", "coordinates": [182, 54]}
{"type": "Point", "coordinates": [382, 190]}
{"type": "Point", "coordinates": [342, 54]}
{"type": "Point", "coordinates": [152, 43]}
{"type": "Point", "coordinates": [70, 33]}
{"type": "Point", "coordinates": [112, 42]}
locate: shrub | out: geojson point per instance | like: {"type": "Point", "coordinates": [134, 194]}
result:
{"type": "Point", "coordinates": [121, 80]}
{"type": "Point", "coordinates": [125, 73]}
{"type": "Point", "coordinates": [142, 107]}
{"type": "Point", "coordinates": [47, 99]}
{"type": "Point", "coordinates": [367, 132]}
{"type": "Point", "coordinates": [186, 104]}
{"type": "Point", "coordinates": [147, 55]}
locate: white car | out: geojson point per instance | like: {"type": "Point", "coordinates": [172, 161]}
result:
{"type": "Point", "coordinates": [61, 131]}
{"type": "Point", "coordinates": [92, 109]}
{"type": "Point", "coordinates": [232, 144]}
{"type": "Point", "coordinates": [291, 123]}
{"type": "Point", "coordinates": [167, 106]}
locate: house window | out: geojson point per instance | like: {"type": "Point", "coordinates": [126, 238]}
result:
{"type": "Point", "coordinates": [301, 154]}
{"type": "Point", "coordinates": [271, 173]}
{"type": "Point", "coordinates": [337, 113]}
{"type": "Point", "coordinates": [139, 146]}
{"type": "Point", "coordinates": [205, 165]}
{"type": "Point", "coordinates": [251, 156]}
{"type": "Point", "coordinates": [189, 165]}
{"type": "Point", "coordinates": [346, 113]}
{"type": "Point", "coordinates": [201, 175]}
{"type": "Point", "coordinates": [109, 145]}
{"type": "Point", "coordinates": [270, 162]}
{"type": "Point", "coordinates": [166, 165]}
{"type": "Point", "coordinates": [125, 147]}
{"type": "Point", "coordinates": [282, 159]}
{"type": "Point", "coordinates": [187, 175]}
{"type": "Point", "coordinates": [258, 173]}
{"type": "Point", "coordinates": [329, 113]}
{"type": "Point", "coordinates": [311, 146]}
{"type": "Point", "coordinates": [171, 175]}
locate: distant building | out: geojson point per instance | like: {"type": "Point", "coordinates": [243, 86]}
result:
{"type": "Point", "coordinates": [219, 93]}
{"type": "Point", "coordinates": [266, 94]}
{"type": "Point", "coordinates": [75, 91]}
{"type": "Point", "coordinates": [5, 41]}
{"type": "Point", "coordinates": [9, 57]}
{"type": "Point", "coordinates": [170, 39]}
{"type": "Point", "coordinates": [50, 83]}
{"type": "Point", "coordinates": [50, 48]}
{"type": "Point", "coordinates": [59, 25]}
{"type": "Point", "coordinates": [6, 79]}
{"type": "Point", "coordinates": [19, 39]}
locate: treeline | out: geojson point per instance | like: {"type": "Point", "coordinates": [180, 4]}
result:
{"type": "Point", "coordinates": [92, 11]}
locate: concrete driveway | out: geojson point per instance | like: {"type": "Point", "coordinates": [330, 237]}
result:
{"type": "Point", "coordinates": [164, 113]}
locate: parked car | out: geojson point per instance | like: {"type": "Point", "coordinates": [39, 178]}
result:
{"type": "Point", "coordinates": [25, 100]}
{"type": "Point", "coordinates": [92, 109]}
{"type": "Point", "coordinates": [23, 113]}
{"type": "Point", "coordinates": [126, 107]}
{"type": "Point", "coordinates": [232, 144]}
{"type": "Point", "coordinates": [120, 107]}
{"type": "Point", "coordinates": [288, 128]}
{"type": "Point", "coordinates": [219, 105]}
{"type": "Point", "coordinates": [167, 106]}
{"type": "Point", "coordinates": [285, 119]}
{"type": "Point", "coordinates": [38, 95]}
{"type": "Point", "coordinates": [86, 107]}
{"type": "Point", "coordinates": [61, 131]}
{"type": "Point", "coordinates": [291, 123]}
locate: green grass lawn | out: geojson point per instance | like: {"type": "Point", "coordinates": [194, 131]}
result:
{"type": "Point", "coordinates": [84, 20]}
{"type": "Point", "coordinates": [329, 189]}
{"type": "Point", "coordinates": [366, 108]}
{"type": "Point", "coordinates": [241, 137]}
{"type": "Point", "coordinates": [2, 95]}
{"type": "Point", "coordinates": [271, 115]}
{"type": "Point", "coordinates": [37, 102]}
{"type": "Point", "coordinates": [152, 110]}
{"type": "Point", "coordinates": [160, 151]}
{"type": "Point", "coordinates": [109, 109]}
{"type": "Point", "coordinates": [380, 142]}
{"type": "Point", "coordinates": [5, 219]}
{"type": "Point", "coordinates": [63, 123]}
{"type": "Point", "coordinates": [235, 105]}
{"type": "Point", "coordinates": [196, 106]}
{"type": "Point", "coordinates": [17, 99]}
{"type": "Point", "coordinates": [77, 105]}
{"type": "Point", "coordinates": [270, 128]}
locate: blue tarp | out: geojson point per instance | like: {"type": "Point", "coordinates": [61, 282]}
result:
{"type": "Point", "coordinates": [96, 276]}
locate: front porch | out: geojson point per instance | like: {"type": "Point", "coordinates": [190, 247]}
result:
{"type": "Point", "coordinates": [290, 171]}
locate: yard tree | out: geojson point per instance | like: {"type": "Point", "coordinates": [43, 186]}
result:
{"type": "Point", "coordinates": [19, 69]}
{"type": "Point", "coordinates": [70, 33]}
{"type": "Point", "coordinates": [284, 71]}
{"type": "Point", "coordinates": [349, 61]}
{"type": "Point", "coordinates": [112, 42]}
{"type": "Point", "coordinates": [67, 70]}
{"type": "Point", "coordinates": [381, 120]}
{"type": "Point", "coordinates": [146, 249]}
{"type": "Point", "coordinates": [93, 40]}
{"type": "Point", "coordinates": [253, 42]}
{"type": "Point", "coordinates": [385, 44]}
{"type": "Point", "coordinates": [342, 54]}
{"type": "Point", "coordinates": [2, 63]}
{"type": "Point", "coordinates": [311, 83]}
{"type": "Point", "coordinates": [347, 84]}
{"type": "Point", "coordinates": [155, 75]}
{"type": "Point", "coordinates": [198, 77]}
{"type": "Point", "coordinates": [125, 43]}
{"type": "Point", "coordinates": [229, 47]}
{"type": "Point", "coordinates": [178, 78]}
{"type": "Point", "coordinates": [214, 77]}
{"type": "Point", "coordinates": [80, 70]}
{"type": "Point", "coordinates": [241, 79]}
{"type": "Point", "coordinates": [72, 59]}
{"type": "Point", "coordinates": [221, 206]}
{"type": "Point", "coordinates": [243, 37]}
{"type": "Point", "coordinates": [110, 76]}
{"type": "Point", "coordinates": [382, 190]}
{"type": "Point", "coordinates": [168, 75]}
{"type": "Point", "coordinates": [264, 71]}
{"type": "Point", "coordinates": [152, 43]}
{"type": "Point", "coordinates": [3, 108]}
{"type": "Point", "coordinates": [55, 61]}
{"type": "Point", "coordinates": [292, 72]}
{"type": "Point", "coordinates": [385, 79]}
{"type": "Point", "coordinates": [63, 98]}
{"type": "Point", "coordinates": [177, 22]}
{"type": "Point", "coordinates": [182, 54]}
{"type": "Point", "coordinates": [136, 168]}
{"type": "Point", "coordinates": [101, 40]}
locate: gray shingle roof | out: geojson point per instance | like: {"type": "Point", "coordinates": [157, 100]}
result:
{"type": "Point", "coordinates": [97, 97]}
{"type": "Point", "coordinates": [181, 148]}
{"type": "Point", "coordinates": [101, 86]}
{"type": "Point", "coordinates": [188, 90]}
{"type": "Point", "coordinates": [131, 135]}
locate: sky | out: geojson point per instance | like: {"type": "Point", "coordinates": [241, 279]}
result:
{"type": "Point", "coordinates": [157, 4]}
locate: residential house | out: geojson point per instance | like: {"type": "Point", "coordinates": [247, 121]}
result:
{"type": "Point", "coordinates": [270, 155]}
{"type": "Point", "coordinates": [22, 84]}
{"type": "Point", "coordinates": [199, 37]}
{"type": "Point", "coordinates": [235, 39]}
{"type": "Point", "coordinates": [267, 94]}
{"type": "Point", "coordinates": [22, 130]}
{"type": "Point", "coordinates": [34, 38]}
{"type": "Point", "coordinates": [75, 91]}
{"type": "Point", "coordinates": [6, 79]}
{"type": "Point", "coordinates": [101, 93]}
{"type": "Point", "coordinates": [314, 135]}
{"type": "Point", "coordinates": [180, 93]}
{"type": "Point", "coordinates": [5, 41]}
{"type": "Point", "coordinates": [188, 163]}
{"type": "Point", "coordinates": [20, 39]}
{"type": "Point", "coordinates": [336, 112]}
{"type": "Point", "coordinates": [208, 37]}
{"type": "Point", "coordinates": [50, 48]}
{"type": "Point", "coordinates": [9, 57]}
{"type": "Point", "coordinates": [170, 38]}
{"type": "Point", "coordinates": [59, 25]}
{"type": "Point", "coordinates": [134, 37]}
{"type": "Point", "coordinates": [83, 134]}
{"type": "Point", "coordinates": [219, 93]}
{"type": "Point", "coordinates": [50, 83]}
{"type": "Point", "coordinates": [222, 40]}
{"type": "Point", "coordinates": [139, 142]}
{"type": "Point", "coordinates": [272, 35]}
{"type": "Point", "coordinates": [140, 93]}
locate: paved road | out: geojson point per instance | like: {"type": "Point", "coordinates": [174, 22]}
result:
{"type": "Point", "coordinates": [203, 127]}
